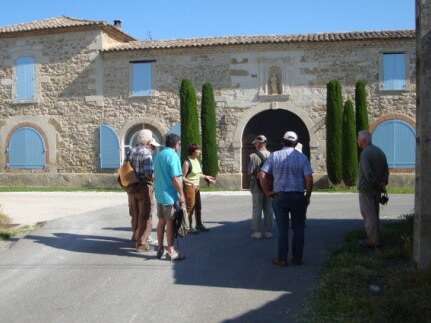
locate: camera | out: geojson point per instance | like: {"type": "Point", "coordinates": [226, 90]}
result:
{"type": "Point", "coordinates": [384, 198]}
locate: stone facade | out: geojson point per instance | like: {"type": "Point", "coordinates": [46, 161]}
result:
{"type": "Point", "coordinates": [80, 86]}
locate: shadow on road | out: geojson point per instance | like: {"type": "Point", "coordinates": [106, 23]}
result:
{"type": "Point", "coordinates": [102, 245]}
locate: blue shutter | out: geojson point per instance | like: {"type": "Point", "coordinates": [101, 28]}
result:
{"type": "Point", "coordinates": [26, 149]}
{"type": "Point", "coordinates": [398, 141]}
{"type": "Point", "coordinates": [405, 145]}
{"type": "Point", "coordinates": [25, 79]}
{"type": "Point", "coordinates": [109, 148]}
{"type": "Point", "coordinates": [394, 72]}
{"type": "Point", "coordinates": [141, 79]}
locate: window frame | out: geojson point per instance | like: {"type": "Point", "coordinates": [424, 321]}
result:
{"type": "Point", "coordinates": [131, 77]}
{"type": "Point", "coordinates": [382, 71]}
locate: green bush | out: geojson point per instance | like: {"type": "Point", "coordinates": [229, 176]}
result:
{"type": "Point", "coordinates": [334, 118]}
{"type": "Point", "coordinates": [189, 117]}
{"type": "Point", "coordinates": [350, 151]}
{"type": "Point", "coordinates": [209, 135]}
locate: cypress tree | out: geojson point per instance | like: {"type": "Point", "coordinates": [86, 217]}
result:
{"type": "Point", "coordinates": [350, 152]}
{"type": "Point", "coordinates": [361, 108]}
{"type": "Point", "coordinates": [334, 118]}
{"type": "Point", "coordinates": [209, 140]}
{"type": "Point", "coordinates": [189, 117]}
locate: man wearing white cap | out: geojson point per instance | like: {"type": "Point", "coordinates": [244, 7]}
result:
{"type": "Point", "coordinates": [141, 200]}
{"type": "Point", "coordinates": [261, 203]}
{"type": "Point", "coordinates": [287, 177]}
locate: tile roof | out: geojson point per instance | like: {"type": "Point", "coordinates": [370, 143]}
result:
{"type": "Point", "coordinates": [252, 40]}
{"type": "Point", "coordinates": [59, 24]}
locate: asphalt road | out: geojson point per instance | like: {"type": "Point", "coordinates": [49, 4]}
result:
{"type": "Point", "coordinates": [82, 268]}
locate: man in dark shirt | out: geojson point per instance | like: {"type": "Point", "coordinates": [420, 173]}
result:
{"type": "Point", "coordinates": [373, 179]}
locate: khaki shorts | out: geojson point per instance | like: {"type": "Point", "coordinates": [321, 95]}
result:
{"type": "Point", "coordinates": [166, 212]}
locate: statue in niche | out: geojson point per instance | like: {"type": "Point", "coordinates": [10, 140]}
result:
{"type": "Point", "coordinates": [274, 82]}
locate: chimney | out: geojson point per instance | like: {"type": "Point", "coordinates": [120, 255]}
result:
{"type": "Point", "coordinates": [117, 24]}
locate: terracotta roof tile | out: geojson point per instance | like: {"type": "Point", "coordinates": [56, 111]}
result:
{"type": "Point", "coordinates": [58, 23]}
{"type": "Point", "coordinates": [277, 39]}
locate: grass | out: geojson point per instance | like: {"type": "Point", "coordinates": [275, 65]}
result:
{"type": "Point", "coordinates": [343, 189]}
{"type": "Point", "coordinates": [7, 232]}
{"type": "Point", "coordinates": [344, 295]}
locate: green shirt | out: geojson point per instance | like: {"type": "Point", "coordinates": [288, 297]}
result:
{"type": "Point", "coordinates": [195, 174]}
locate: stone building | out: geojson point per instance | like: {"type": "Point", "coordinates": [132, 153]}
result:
{"type": "Point", "coordinates": [74, 92]}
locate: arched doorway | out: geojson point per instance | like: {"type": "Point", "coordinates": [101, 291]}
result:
{"type": "Point", "coordinates": [130, 137]}
{"type": "Point", "coordinates": [273, 124]}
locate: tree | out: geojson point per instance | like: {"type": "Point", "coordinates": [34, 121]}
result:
{"type": "Point", "coordinates": [189, 117]}
{"type": "Point", "coordinates": [361, 108]}
{"type": "Point", "coordinates": [209, 135]}
{"type": "Point", "coordinates": [350, 151]}
{"type": "Point", "coordinates": [334, 120]}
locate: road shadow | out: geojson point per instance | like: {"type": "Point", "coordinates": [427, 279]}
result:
{"type": "Point", "coordinates": [226, 257]}
{"type": "Point", "coordinates": [93, 244]}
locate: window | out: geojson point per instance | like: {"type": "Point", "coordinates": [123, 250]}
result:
{"type": "Point", "coordinates": [25, 79]}
{"type": "Point", "coordinates": [394, 71]}
{"type": "Point", "coordinates": [26, 149]}
{"type": "Point", "coordinates": [398, 141]}
{"type": "Point", "coordinates": [141, 78]}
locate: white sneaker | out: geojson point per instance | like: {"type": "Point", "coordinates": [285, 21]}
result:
{"type": "Point", "coordinates": [256, 235]}
{"type": "Point", "coordinates": [267, 235]}
{"type": "Point", "coordinates": [151, 241]}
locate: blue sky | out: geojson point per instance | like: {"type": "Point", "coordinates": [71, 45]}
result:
{"type": "Point", "coordinates": [167, 19]}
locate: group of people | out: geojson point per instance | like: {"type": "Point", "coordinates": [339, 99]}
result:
{"type": "Point", "coordinates": [166, 186]}
{"type": "Point", "coordinates": [281, 186]}
{"type": "Point", "coordinates": [282, 183]}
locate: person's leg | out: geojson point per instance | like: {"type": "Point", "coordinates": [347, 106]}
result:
{"type": "Point", "coordinates": [149, 224]}
{"type": "Point", "coordinates": [198, 212]}
{"type": "Point", "coordinates": [190, 195]}
{"type": "Point", "coordinates": [132, 213]}
{"type": "Point", "coordinates": [141, 222]}
{"type": "Point", "coordinates": [256, 226]}
{"type": "Point", "coordinates": [298, 209]}
{"type": "Point", "coordinates": [268, 214]}
{"type": "Point", "coordinates": [282, 218]}
{"type": "Point", "coordinates": [170, 235]}
{"type": "Point", "coordinates": [369, 211]}
{"type": "Point", "coordinates": [160, 226]}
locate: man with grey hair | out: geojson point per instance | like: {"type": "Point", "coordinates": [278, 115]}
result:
{"type": "Point", "coordinates": [141, 199]}
{"type": "Point", "coordinates": [373, 179]}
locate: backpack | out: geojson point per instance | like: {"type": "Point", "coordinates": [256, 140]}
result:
{"type": "Point", "coordinates": [262, 161]}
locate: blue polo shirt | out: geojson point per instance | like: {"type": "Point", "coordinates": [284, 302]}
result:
{"type": "Point", "coordinates": [166, 166]}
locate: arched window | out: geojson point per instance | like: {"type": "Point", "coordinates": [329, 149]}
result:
{"type": "Point", "coordinates": [26, 149]}
{"type": "Point", "coordinates": [398, 141]}
{"type": "Point", "coordinates": [25, 79]}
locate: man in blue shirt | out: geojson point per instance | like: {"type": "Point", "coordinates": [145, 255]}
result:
{"type": "Point", "coordinates": [288, 178]}
{"type": "Point", "coordinates": [169, 192]}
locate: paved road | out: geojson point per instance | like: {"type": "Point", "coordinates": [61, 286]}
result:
{"type": "Point", "coordinates": [83, 269]}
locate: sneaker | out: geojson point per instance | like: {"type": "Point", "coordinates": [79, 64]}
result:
{"type": "Point", "coordinates": [268, 235]}
{"type": "Point", "coordinates": [160, 252]}
{"type": "Point", "coordinates": [151, 241]}
{"type": "Point", "coordinates": [256, 235]}
{"type": "Point", "coordinates": [279, 262]}
{"type": "Point", "coordinates": [175, 256]}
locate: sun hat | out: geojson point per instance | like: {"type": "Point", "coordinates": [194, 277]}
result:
{"type": "Point", "coordinates": [260, 139]}
{"type": "Point", "coordinates": [290, 136]}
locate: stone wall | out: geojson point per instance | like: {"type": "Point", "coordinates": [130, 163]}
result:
{"type": "Point", "coordinates": [79, 88]}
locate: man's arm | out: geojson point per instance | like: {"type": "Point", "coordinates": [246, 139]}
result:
{"type": "Point", "coordinates": [308, 187]}
{"type": "Point", "coordinates": [178, 184]}
{"type": "Point", "coordinates": [266, 182]}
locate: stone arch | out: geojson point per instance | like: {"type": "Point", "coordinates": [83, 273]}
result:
{"type": "Point", "coordinates": [265, 121]}
{"type": "Point", "coordinates": [392, 116]}
{"type": "Point", "coordinates": [43, 126]}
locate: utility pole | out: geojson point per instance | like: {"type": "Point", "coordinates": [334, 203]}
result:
{"type": "Point", "coordinates": [422, 235]}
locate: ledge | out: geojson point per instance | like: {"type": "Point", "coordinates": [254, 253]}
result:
{"type": "Point", "coordinates": [273, 98]}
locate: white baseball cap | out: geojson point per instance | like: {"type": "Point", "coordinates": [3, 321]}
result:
{"type": "Point", "coordinates": [153, 142]}
{"type": "Point", "coordinates": [290, 136]}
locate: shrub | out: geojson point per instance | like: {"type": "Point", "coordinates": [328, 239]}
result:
{"type": "Point", "coordinates": [350, 152]}
{"type": "Point", "coordinates": [209, 135]}
{"type": "Point", "coordinates": [334, 132]}
{"type": "Point", "coordinates": [189, 117]}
